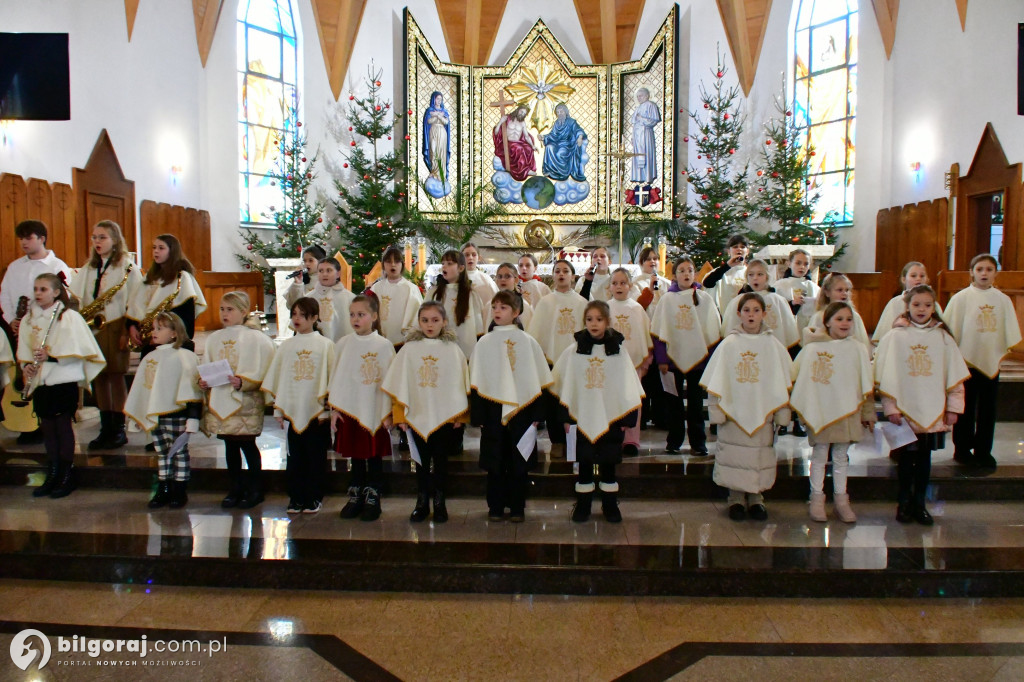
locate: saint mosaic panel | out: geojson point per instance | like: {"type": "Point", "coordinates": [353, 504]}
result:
{"type": "Point", "coordinates": [540, 128]}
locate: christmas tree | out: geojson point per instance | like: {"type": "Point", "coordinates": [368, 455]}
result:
{"type": "Point", "coordinates": [717, 183]}
{"type": "Point", "coordinates": [298, 222]}
{"type": "Point", "coordinates": [784, 194]}
{"type": "Point", "coordinates": [371, 213]}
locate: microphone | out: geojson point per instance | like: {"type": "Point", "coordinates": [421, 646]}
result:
{"type": "Point", "coordinates": [297, 273]}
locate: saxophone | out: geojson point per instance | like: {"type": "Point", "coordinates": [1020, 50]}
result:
{"type": "Point", "coordinates": [93, 313]}
{"type": "Point", "coordinates": [146, 325]}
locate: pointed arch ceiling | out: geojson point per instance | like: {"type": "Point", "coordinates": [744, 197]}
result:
{"type": "Point", "coordinates": [961, 9]}
{"type": "Point", "coordinates": [337, 22]}
{"type": "Point", "coordinates": [131, 8]}
{"type": "Point", "coordinates": [745, 23]}
{"type": "Point", "coordinates": [609, 27]}
{"type": "Point", "coordinates": [206, 13]}
{"type": "Point", "coordinates": [470, 27]}
{"type": "Point", "coordinates": [886, 12]}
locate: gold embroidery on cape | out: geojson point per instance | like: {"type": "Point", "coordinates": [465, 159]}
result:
{"type": "Point", "coordinates": [622, 324]}
{"type": "Point", "coordinates": [229, 352]}
{"type": "Point", "coordinates": [919, 363]}
{"type": "Point", "coordinates": [510, 350]}
{"type": "Point", "coordinates": [771, 316]}
{"type": "Point", "coordinates": [565, 322]}
{"type": "Point", "coordinates": [34, 336]}
{"type": "Point", "coordinates": [370, 369]}
{"type": "Point", "coordinates": [595, 373]}
{"type": "Point", "coordinates": [385, 307]}
{"type": "Point", "coordinates": [987, 320]}
{"type": "Point", "coordinates": [428, 372]}
{"type": "Point", "coordinates": [747, 370]}
{"type": "Point", "coordinates": [527, 296]}
{"type": "Point", "coordinates": [326, 309]}
{"type": "Point", "coordinates": [303, 367]}
{"type": "Point", "coordinates": [684, 318]}
{"type": "Point", "coordinates": [150, 373]}
{"type": "Point", "coordinates": [822, 370]}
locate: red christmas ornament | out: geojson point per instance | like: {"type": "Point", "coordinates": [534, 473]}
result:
{"type": "Point", "coordinates": [760, 173]}
{"type": "Point", "coordinates": [783, 143]}
{"type": "Point", "coordinates": [746, 215]}
{"type": "Point", "coordinates": [682, 110]}
{"type": "Point", "coordinates": [303, 159]}
{"type": "Point", "coordinates": [377, 83]}
{"type": "Point", "coordinates": [775, 174]}
{"type": "Point", "coordinates": [299, 124]}
{"type": "Point", "coordinates": [760, 189]}
{"type": "Point", "coordinates": [703, 231]}
{"type": "Point", "coordinates": [717, 217]}
{"type": "Point", "coordinates": [796, 239]}
{"type": "Point", "coordinates": [704, 197]}
{"type": "Point", "coordinates": [686, 138]}
{"type": "Point", "coordinates": [719, 74]}
{"type": "Point", "coordinates": [706, 105]}
{"type": "Point", "coordinates": [410, 112]}
{"type": "Point", "coordinates": [732, 151]}
{"type": "Point", "coordinates": [718, 206]}
{"type": "Point", "coordinates": [351, 97]}
{"type": "Point", "coordinates": [699, 156]}
{"type": "Point", "coordinates": [704, 139]}
{"type": "Point", "coordinates": [247, 266]}
{"type": "Point", "coordinates": [377, 107]}
{"type": "Point", "coordinates": [320, 220]}
{"type": "Point", "coordinates": [350, 129]}
{"type": "Point", "coordinates": [725, 117]}
{"type": "Point", "coordinates": [289, 176]}
{"type": "Point", "coordinates": [345, 165]}
{"type": "Point", "coordinates": [338, 227]}
{"type": "Point", "coordinates": [353, 143]}
{"type": "Point", "coordinates": [789, 113]}
{"type": "Point", "coordinates": [380, 224]}
{"type": "Point", "coordinates": [768, 142]}
{"type": "Point", "coordinates": [407, 137]}
{"type": "Point", "coordinates": [366, 177]}
{"type": "Point", "coordinates": [309, 175]}
{"type": "Point", "coordinates": [814, 153]}
{"type": "Point", "coordinates": [249, 246]}
{"type": "Point", "coordinates": [389, 137]}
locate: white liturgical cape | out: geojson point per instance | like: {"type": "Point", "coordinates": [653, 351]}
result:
{"type": "Point", "coordinates": [79, 358]}
{"type": "Point", "coordinates": [166, 381]}
{"type": "Point", "coordinates": [555, 319]}
{"type": "Point", "coordinates": [777, 316]}
{"type": "Point", "coordinates": [687, 330]}
{"type": "Point", "coordinates": [398, 303]}
{"type": "Point", "coordinates": [816, 327]}
{"type": "Point", "coordinates": [484, 288]}
{"type": "Point", "coordinates": [751, 374]}
{"type": "Point", "coordinates": [84, 282]}
{"type": "Point", "coordinates": [149, 296]}
{"type": "Point", "coordinates": [249, 352]}
{"type": "Point", "coordinates": [334, 302]}
{"type": "Point", "coordinates": [508, 367]}
{"type": "Point", "coordinates": [429, 378]}
{"type": "Point", "coordinates": [360, 365]}
{"type": "Point", "coordinates": [893, 309]}
{"type": "Point", "coordinates": [832, 379]}
{"type": "Point", "coordinates": [472, 328]}
{"type": "Point", "coordinates": [985, 326]}
{"type": "Point", "coordinates": [630, 319]}
{"type": "Point", "coordinates": [298, 378]}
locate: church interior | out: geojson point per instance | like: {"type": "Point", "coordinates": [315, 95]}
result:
{"type": "Point", "coordinates": [253, 129]}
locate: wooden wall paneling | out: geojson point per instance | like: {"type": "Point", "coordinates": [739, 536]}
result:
{"type": "Point", "coordinates": [147, 219]}
{"type": "Point", "coordinates": [103, 193]}
{"type": "Point", "coordinates": [912, 232]}
{"type": "Point", "coordinates": [13, 209]}
{"type": "Point", "coordinates": [39, 206]}
{"type": "Point", "coordinates": [191, 226]}
{"type": "Point", "coordinates": [871, 291]}
{"type": "Point", "coordinates": [77, 247]}
{"type": "Point", "coordinates": [197, 232]}
{"type": "Point", "coordinates": [216, 284]}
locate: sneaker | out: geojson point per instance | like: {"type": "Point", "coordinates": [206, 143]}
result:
{"type": "Point", "coordinates": [673, 449]}
{"type": "Point", "coordinates": [313, 508]}
{"type": "Point", "coordinates": [495, 515]}
{"type": "Point", "coordinates": [371, 508]}
{"type": "Point", "coordinates": [699, 451]}
{"type": "Point", "coordinates": [757, 512]}
{"type": "Point", "coordinates": [294, 507]}
{"type": "Point", "coordinates": [354, 506]}
{"type": "Point", "coordinates": [737, 512]}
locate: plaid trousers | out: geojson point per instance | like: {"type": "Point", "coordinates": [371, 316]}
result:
{"type": "Point", "coordinates": [166, 431]}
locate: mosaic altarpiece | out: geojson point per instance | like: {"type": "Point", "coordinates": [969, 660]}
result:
{"type": "Point", "coordinates": [535, 132]}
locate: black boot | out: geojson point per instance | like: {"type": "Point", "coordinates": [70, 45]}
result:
{"type": "Point", "coordinates": [179, 494]}
{"type": "Point", "coordinates": [66, 482]}
{"type": "Point", "coordinates": [235, 495]}
{"type": "Point", "coordinates": [253, 494]}
{"type": "Point", "coordinates": [422, 509]}
{"type": "Point", "coordinates": [162, 495]}
{"type": "Point", "coordinates": [118, 438]}
{"type": "Point", "coordinates": [100, 441]}
{"type": "Point", "coordinates": [581, 510]}
{"type": "Point", "coordinates": [610, 507]}
{"type": "Point", "coordinates": [52, 474]}
{"type": "Point", "coordinates": [354, 506]}
{"type": "Point", "coordinates": [371, 504]}
{"type": "Point", "coordinates": [440, 510]}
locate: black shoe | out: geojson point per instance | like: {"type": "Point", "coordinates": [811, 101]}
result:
{"type": "Point", "coordinates": [699, 451]}
{"type": "Point", "coordinates": [354, 506]}
{"type": "Point", "coordinates": [921, 515]}
{"type": "Point", "coordinates": [495, 515]}
{"type": "Point", "coordinates": [30, 437]}
{"type": "Point", "coordinates": [52, 474]}
{"type": "Point", "coordinates": [118, 438]}
{"type": "Point", "coordinates": [581, 510]}
{"type": "Point", "coordinates": [250, 499]}
{"type": "Point", "coordinates": [179, 494]}
{"type": "Point", "coordinates": [610, 508]}
{"type": "Point", "coordinates": [798, 430]}
{"type": "Point", "coordinates": [737, 512]}
{"type": "Point", "coordinates": [517, 516]}
{"type": "Point", "coordinates": [235, 496]}
{"type": "Point", "coordinates": [783, 430]}
{"type": "Point", "coordinates": [371, 504]}
{"type": "Point", "coordinates": [757, 512]}
{"type": "Point", "coordinates": [965, 458]}
{"type": "Point", "coordinates": [422, 509]}
{"type": "Point", "coordinates": [100, 441]}
{"type": "Point", "coordinates": [440, 510]}
{"type": "Point", "coordinates": [630, 451]}
{"type": "Point", "coordinates": [673, 449]}
{"type": "Point", "coordinates": [150, 447]}
{"type": "Point", "coordinates": [903, 514]}
{"type": "Point", "coordinates": [66, 482]}
{"type": "Point", "coordinates": [985, 461]}
{"type": "Point", "coordinates": [162, 495]}
{"type": "Point", "coordinates": [295, 507]}
{"type": "Point", "coordinates": [403, 441]}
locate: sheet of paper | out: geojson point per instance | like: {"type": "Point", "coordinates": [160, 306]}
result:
{"type": "Point", "coordinates": [872, 441]}
{"type": "Point", "coordinates": [216, 373]}
{"type": "Point", "coordinates": [570, 444]}
{"type": "Point", "coordinates": [668, 382]}
{"type": "Point", "coordinates": [898, 435]}
{"type": "Point", "coordinates": [413, 450]}
{"type": "Point", "coordinates": [528, 441]}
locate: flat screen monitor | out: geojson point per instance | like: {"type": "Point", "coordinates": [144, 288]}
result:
{"type": "Point", "coordinates": [34, 80]}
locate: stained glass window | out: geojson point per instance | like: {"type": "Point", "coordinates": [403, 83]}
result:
{"type": "Point", "coordinates": [267, 97]}
{"type": "Point", "coordinates": [825, 100]}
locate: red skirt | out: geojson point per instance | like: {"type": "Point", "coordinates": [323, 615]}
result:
{"type": "Point", "coordinates": [356, 442]}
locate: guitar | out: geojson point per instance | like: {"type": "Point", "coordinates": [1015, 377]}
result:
{"type": "Point", "coordinates": [17, 418]}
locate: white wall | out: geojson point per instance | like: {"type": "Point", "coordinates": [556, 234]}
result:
{"type": "Point", "coordinates": [928, 103]}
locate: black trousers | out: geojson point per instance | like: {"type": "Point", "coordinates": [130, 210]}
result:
{"type": "Point", "coordinates": [553, 419]}
{"type": "Point", "coordinates": [914, 468]}
{"type": "Point", "coordinates": [657, 406]}
{"type": "Point", "coordinates": [307, 462]}
{"type": "Point", "coordinates": [975, 428]}
{"type": "Point", "coordinates": [235, 447]}
{"type": "Point", "coordinates": [432, 472]}
{"type": "Point", "coordinates": [507, 483]}
{"type": "Point", "coordinates": [693, 397]}
{"type": "Point", "coordinates": [367, 472]}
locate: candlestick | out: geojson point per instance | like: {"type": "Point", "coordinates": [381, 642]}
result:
{"type": "Point", "coordinates": [661, 259]}
{"type": "Point", "coordinates": [408, 256]}
{"type": "Point", "coordinates": [421, 257]}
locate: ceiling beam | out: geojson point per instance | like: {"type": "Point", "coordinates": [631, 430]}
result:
{"type": "Point", "coordinates": [470, 27]}
{"type": "Point", "coordinates": [337, 23]}
{"type": "Point", "coordinates": [961, 9]}
{"type": "Point", "coordinates": [131, 8]}
{"type": "Point", "coordinates": [609, 27]}
{"type": "Point", "coordinates": [206, 13]}
{"type": "Point", "coordinates": [745, 23]}
{"type": "Point", "coordinates": [886, 12]}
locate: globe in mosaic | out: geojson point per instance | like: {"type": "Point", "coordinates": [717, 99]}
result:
{"type": "Point", "coordinates": [538, 192]}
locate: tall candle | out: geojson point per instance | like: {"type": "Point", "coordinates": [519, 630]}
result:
{"type": "Point", "coordinates": [408, 257]}
{"type": "Point", "coordinates": [421, 258]}
{"type": "Point", "coordinates": [661, 258]}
